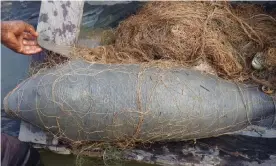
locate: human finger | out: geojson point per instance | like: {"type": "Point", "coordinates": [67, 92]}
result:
{"type": "Point", "coordinates": [29, 42]}
{"type": "Point", "coordinates": [29, 28]}
{"type": "Point", "coordinates": [28, 50]}
{"type": "Point", "coordinates": [28, 36]}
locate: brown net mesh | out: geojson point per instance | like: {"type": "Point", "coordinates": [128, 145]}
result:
{"type": "Point", "coordinates": [188, 33]}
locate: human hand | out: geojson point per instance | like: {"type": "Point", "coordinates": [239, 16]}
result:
{"type": "Point", "coordinates": [19, 37]}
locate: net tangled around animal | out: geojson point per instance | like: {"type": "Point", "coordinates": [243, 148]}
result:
{"type": "Point", "coordinates": [223, 38]}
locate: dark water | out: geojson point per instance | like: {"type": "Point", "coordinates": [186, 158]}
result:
{"type": "Point", "coordinates": [100, 16]}
{"type": "Point", "coordinates": [52, 159]}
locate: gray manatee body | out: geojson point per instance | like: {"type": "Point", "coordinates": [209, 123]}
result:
{"type": "Point", "coordinates": [96, 102]}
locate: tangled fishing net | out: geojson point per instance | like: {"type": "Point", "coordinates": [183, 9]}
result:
{"type": "Point", "coordinates": [189, 34]}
